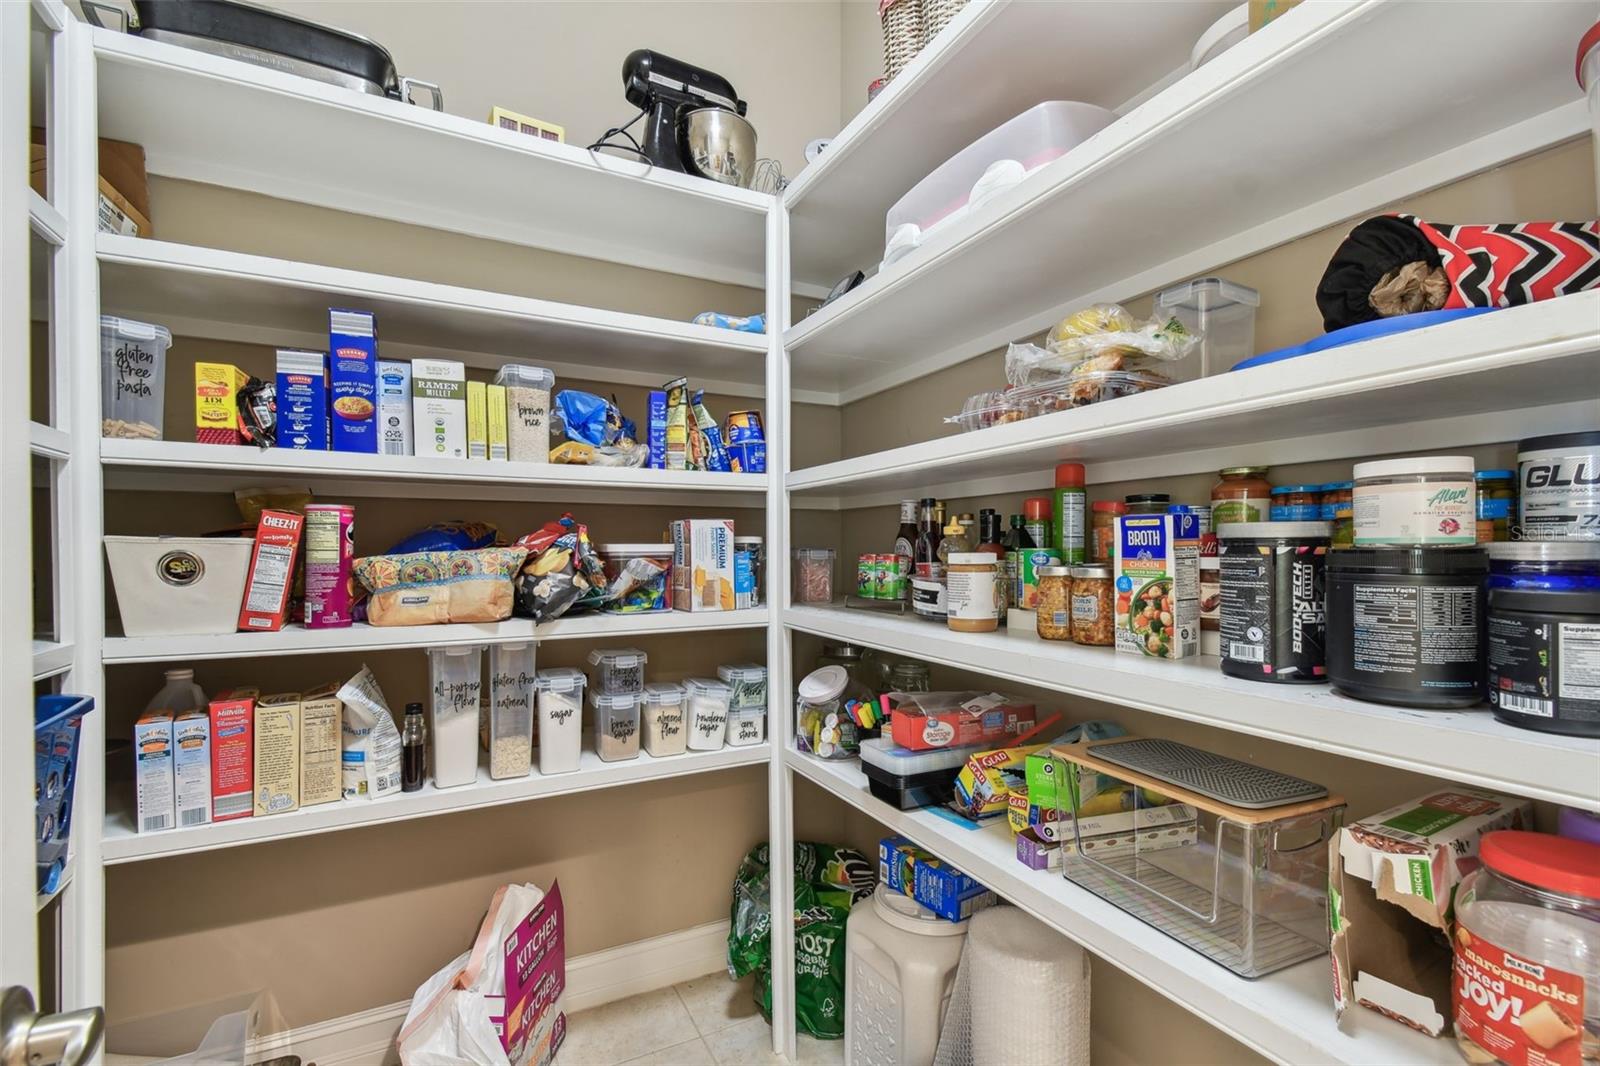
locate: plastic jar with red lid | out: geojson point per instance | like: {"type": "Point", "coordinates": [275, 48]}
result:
{"type": "Point", "coordinates": [1526, 987]}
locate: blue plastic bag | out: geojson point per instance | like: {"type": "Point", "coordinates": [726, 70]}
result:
{"type": "Point", "coordinates": [585, 417]}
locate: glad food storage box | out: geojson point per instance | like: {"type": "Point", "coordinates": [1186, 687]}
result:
{"type": "Point", "coordinates": [178, 586]}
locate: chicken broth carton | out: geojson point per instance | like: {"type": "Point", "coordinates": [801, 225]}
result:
{"type": "Point", "coordinates": [1157, 582]}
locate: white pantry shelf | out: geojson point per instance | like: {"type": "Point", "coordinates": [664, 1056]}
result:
{"type": "Point", "coordinates": [1254, 149]}
{"type": "Point", "coordinates": [949, 96]}
{"type": "Point", "coordinates": [297, 640]}
{"type": "Point", "coordinates": [51, 658]}
{"type": "Point", "coordinates": [1286, 1016]}
{"type": "Point", "coordinates": [1468, 746]}
{"type": "Point", "coordinates": [1517, 372]}
{"type": "Point", "coordinates": [221, 295]}
{"type": "Point", "coordinates": [121, 842]}
{"type": "Point", "coordinates": [220, 121]}
{"type": "Point", "coordinates": [175, 466]}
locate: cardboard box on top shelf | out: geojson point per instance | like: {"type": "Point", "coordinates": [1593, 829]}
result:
{"type": "Point", "coordinates": [1392, 881]}
{"type": "Point", "coordinates": [124, 186]}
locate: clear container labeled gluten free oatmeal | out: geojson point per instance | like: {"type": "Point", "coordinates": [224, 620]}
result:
{"type": "Point", "coordinates": [1526, 987]}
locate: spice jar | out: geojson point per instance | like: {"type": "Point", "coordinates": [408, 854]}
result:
{"type": "Point", "coordinates": [1093, 614]}
{"type": "Point", "coordinates": [1054, 613]}
{"type": "Point", "coordinates": [1336, 494]}
{"type": "Point", "coordinates": [663, 719]}
{"type": "Point", "coordinates": [1497, 502]}
{"type": "Point", "coordinates": [813, 575]}
{"type": "Point", "coordinates": [1296, 503]}
{"type": "Point", "coordinates": [971, 592]}
{"type": "Point", "coordinates": [1148, 503]}
{"type": "Point", "coordinates": [1527, 951]}
{"type": "Point", "coordinates": [1242, 495]}
{"type": "Point", "coordinates": [1103, 528]}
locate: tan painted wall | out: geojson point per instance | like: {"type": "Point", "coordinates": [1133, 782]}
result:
{"type": "Point", "coordinates": [860, 55]}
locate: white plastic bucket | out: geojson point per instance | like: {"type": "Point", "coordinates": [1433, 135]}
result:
{"type": "Point", "coordinates": [900, 969]}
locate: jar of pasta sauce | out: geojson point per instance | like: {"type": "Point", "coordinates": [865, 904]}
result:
{"type": "Point", "coordinates": [1242, 494]}
{"type": "Point", "coordinates": [1526, 987]}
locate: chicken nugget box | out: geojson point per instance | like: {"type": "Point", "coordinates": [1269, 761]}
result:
{"type": "Point", "coordinates": [302, 400]}
{"type": "Point", "coordinates": [702, 564]}
{"type": "Point", "coordinates": [907, 869]}
{"type": "Point", "coordinates": [353, 380]}
{"type": "Point", "coordinates": [233, 760]}
{"type": "Point", "coordinates": [1392, 880]}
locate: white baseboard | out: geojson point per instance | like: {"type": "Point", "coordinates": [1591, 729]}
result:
{"type": "Point", "coordinates": [367, 1037]}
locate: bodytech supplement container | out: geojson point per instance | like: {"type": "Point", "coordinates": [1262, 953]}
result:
{"type": "Point", "coordinates": [1405, 625]}
{"type": "Point", "coordinates": [1273, 582]}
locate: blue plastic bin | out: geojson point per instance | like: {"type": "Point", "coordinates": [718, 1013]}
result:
{"type": "Point", "coordinates": [57, 722]}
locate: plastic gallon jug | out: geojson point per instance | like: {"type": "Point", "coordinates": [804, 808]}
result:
{"type": "Point", "coordinates": [900, 968]}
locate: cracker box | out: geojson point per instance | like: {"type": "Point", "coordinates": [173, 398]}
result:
{"type": "Point", "coordinates": [394, 407]}
{"type": "Point", "coordinates": [302, 400]}
{"type": "Point", "coordinates": [271, 573]}
{"type": "Point", "coordinates": [907, 869]}
{"type": "Point", "coordinates": [321, 746]}
{"type": "Point", "coordinates": [477, 420]}
{"type": "Point", "coordinates": [191, 768]}
{"type": "Point", "coordinates": [352, 381]}
{"type": "Point", "coordinates": [216, 405]}
{"type": "Point", "coordinates": [233, 760]}
{"type": "Point", "coordinates": [1157, 580]}
{"type": "Point", "coordinates": [702, 564]}
{"type": "Point", "coordinates": [497, 422]}
{"type": "Point", "coordinates": [1393, 878]}
{"type": "Point", "coordinates": [277, 751]}
{"type": "Point", "coordinates": [153, 784]}
{"type": "Point", "coordinates": [439, 408]}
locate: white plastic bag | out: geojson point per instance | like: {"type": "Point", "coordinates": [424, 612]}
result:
{"type": "Point", "coordinates": [370, 742]}
{"type": "Point", "coordinates": [449, 1021]}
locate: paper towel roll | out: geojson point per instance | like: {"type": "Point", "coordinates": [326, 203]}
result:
{"type": "Point", "coordinates": [1021, 999]}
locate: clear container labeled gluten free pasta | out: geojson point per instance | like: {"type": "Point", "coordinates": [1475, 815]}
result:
{"type": "Point", "coordinates": [1526, 987]}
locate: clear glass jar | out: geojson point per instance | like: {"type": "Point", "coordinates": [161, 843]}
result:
{"type": "Point", "coordinates": [1093, 612]}
{"type": "Point", "coordinates": [910, 677]}
{"type": "Point", "coordinates": [1527, 949]}
{"type": "Point", "coordinates": [1242, 494]}
{"type": "Point", "coordinates": [1148, 502]}
{"type": "Point", "coordinates": [1053, 617]}
{"type": "Point", "coordinates": [821, 726]}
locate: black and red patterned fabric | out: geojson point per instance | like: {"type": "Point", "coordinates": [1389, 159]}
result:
{"type": "Point", "coordinates": [1394, 264]}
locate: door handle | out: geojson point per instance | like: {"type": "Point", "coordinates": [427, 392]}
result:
{"type": "Point", "coordinates": [28, 1038]}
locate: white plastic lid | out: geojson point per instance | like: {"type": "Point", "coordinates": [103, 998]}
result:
{"type": "Point", "coordinates": [560, 679]}
{"type": "Point", "coordinates": [520, 376]}
{"type": "Point", "coordinates": [755, 541]}
{"type": "Point", "coordinates": [613, 701]}
{"type": "Point", "coordinates": [128, 327]}
{"type": "Point", "coordinates": [707, 686]}
{"type": "Point", "coordinates": [742, 672]}
{"type": "Point", "coordinates": [607, 550]}
{"type": "Point", "coordinates": [1208, 294]}
{"type": "Point", "coordinates": [972, 558]}
{"type": "Point", "coordinates": [1269, 530]}
{"type": "Point", "coordinates": [824, 684]}
{"type": "Point", "coordinates": [660, 693]}
{"type": "Point", "coordinates": [459, 650]}
{"type": "Point", "coordinates": [1422, 464]}
{"type": "Point", "coordinates": [618, 658]}
{"type": "Point", "coordinates": [905, 913]}
{"type": "Point", "coordinates": [521, 645]}
{"type": "Point", "coordinates": [813, 553]}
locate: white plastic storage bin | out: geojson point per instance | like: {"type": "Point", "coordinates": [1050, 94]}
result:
{"type": "Point", "coordinates": [706, 705]}
{"type": "Point", "coordinates": [899, 973]}
{"type": "Point", "coordinates": [178, 586]}
{"type": "Point", "coordinates": [560, 694]}
{"type": "Point", "coordinates": [1224, 314]}
{"type": "Point", "coordinates": [619, 669]}
{"type": "Point", "coordinates": [133, 378]}
{"type": "Point", "coordinates": [1042, 133]}
{"type": "Point", "coordinates": [664, 730]}
{"type": "Point", "coordinates": [616, 724]}
{"type": "Point", "coordinates": [457, 676]}
{"type": "Point", "coordinates": [511, 710]}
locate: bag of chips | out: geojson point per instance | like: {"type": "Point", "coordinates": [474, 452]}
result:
{"type": "Point", "coordinates": [561, 569]}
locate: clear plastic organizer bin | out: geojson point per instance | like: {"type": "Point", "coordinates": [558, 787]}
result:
{"type": "Point", "coordinates": [133, 376]}
{"type": "Point", "coordinates": [1000, 406]}
{"type": "Point", "coordinates": [1246, 888]}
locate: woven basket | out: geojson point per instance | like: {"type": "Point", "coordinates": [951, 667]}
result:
{"type": "Point", "coordinates": [935, 14]}
{"type": "Point", "coordinates": [902, 34]}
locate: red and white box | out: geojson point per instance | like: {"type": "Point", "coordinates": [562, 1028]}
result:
{"type": "Point", "coordinates": [233, 759]}
{"type": "Point", "coordinates": [271, 574]}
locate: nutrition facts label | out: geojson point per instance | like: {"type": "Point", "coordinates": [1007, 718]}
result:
{"type": "Point", "coordinates": [1580, 662]}
{"type": "Point", "coordinates": [269, 578]}
{"type": "Point", "coordinates": [1401, 627]}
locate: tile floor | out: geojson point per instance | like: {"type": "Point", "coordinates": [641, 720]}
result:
{"type": "Point", "coordinates": [709, 1021]}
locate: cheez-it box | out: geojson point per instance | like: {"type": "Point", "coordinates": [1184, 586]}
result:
{"type": "Point", "coordinates": [271, 573]}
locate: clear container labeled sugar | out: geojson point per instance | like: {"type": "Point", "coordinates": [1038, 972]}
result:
{"type": "Point", "coordinates": [560, 699]}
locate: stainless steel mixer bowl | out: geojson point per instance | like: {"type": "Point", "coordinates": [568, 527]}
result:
{"type": "Point", "coordinates": [722, 145]}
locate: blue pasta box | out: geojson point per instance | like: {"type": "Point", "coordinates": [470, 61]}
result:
{"type": "Point", "coordinates": [302, 400]}
{"type": "Point", "coordinates": [907, 869]}
{"type": "Point", "coordinates": [657, 430]}
{"type": "Point", "coordinates": [353, 380]}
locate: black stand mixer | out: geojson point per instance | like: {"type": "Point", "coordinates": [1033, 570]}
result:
{"type": "Point", "coordinates": [694, 120]}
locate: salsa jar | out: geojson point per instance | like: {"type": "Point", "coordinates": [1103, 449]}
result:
{"type": "Point", "coordinates": [1497, 504]}
{"type": "Point", "coordinates": [1243, 494]}
{"type": "Point", "coordinates": [1094, 615]}
{"type": "Point", "coordinates": [1054, 614]}
{"type": "Point", "coordinates": [1103, 528]}
{"type": "Point", "coordinates": [1526, 986]}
